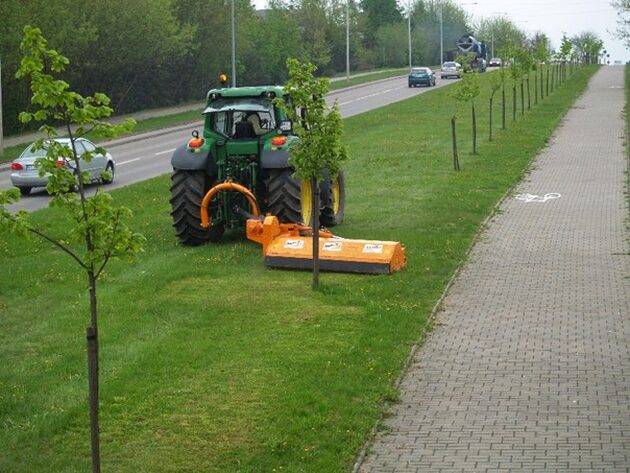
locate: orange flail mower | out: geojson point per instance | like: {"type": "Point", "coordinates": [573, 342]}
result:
{"type": "Point", "coordinates": [290, 245]}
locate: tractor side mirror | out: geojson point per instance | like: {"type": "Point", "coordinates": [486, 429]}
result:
{"type": "Point", "coordinates": [285, 126]}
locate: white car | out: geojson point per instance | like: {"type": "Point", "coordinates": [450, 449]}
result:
{"type": "Point", "coordinates": [25, 174]}
{"type": "Point", "coordinates": [451, 69]}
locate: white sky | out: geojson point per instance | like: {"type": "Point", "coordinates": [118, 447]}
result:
{"type": "Point", "coordinates": [552, 17]}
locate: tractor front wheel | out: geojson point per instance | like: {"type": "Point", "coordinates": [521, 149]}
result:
{"type": "Point", "coordinates": [187, 191]}
{"type": "Point", "coordinates": [333, 197]}
{"type": "Point", "coordinates": [289, 199]}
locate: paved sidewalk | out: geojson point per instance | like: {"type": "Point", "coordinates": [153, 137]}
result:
{"type": "Point", "coordinates": [528, 368]}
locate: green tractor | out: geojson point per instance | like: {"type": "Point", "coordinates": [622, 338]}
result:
{"type": "Point", "coordinates": [245, 141]}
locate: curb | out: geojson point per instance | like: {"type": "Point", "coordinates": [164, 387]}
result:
{"type": "Point", "coordinates": [149, 134]}
{"type": "Point", "coordinates": [364, 84]}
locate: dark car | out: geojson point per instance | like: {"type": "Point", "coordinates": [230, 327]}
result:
{"type": "Point", "coordinates": [421, 76]}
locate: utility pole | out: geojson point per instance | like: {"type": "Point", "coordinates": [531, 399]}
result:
{"type": "Point", "coordinates": [409, 33]}
{"type": "Point", "coordinates": [441, 36]}
{"type": "Point", "coordinates": [1, 129]}
{"type": "Point", "coordinates": [347, 39]}
{"type": "Point", "coordinates": [233, 45]}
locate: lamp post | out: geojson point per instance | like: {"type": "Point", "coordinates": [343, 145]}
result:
{"type": "Point", "coordinates": [1, 130]}
{"type": "Point", "coordinates": [347, 39]}
{"type": "Point", "coordinates": [441, 36]}
{"type": "Point", "coordinates": [409, 32]}
{"type": "Point", "coordinates": [233, 45]}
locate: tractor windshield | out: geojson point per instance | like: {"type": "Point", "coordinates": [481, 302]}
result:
{"type": "Point", "coordinates": [223, 116]}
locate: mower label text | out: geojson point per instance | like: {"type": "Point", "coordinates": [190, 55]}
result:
{"type": "Point", "coordinates": [332, 246]}
{"type": "Point", "coordinates": [294, 244]}
{"type": "Point", "coordinates": [372, 248]}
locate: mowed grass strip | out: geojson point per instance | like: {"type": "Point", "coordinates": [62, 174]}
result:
{"type": "Point", "coordinates": [211, 362]}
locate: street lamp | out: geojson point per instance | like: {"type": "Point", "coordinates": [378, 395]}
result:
{"type": "Point", "coordinates": [347, 39]}
{"type": "Point", "coordinates": [409, 31]}
{"type": "Point", "coordinates": [1, 130]}
{"type": "Point", "coordinates": [441, 36]}
{"type": "Point", "coordinates": [233, 45]}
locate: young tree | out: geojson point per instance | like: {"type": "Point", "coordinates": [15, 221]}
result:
{"type": "Point", "coordinates": [623, 20]}
{"type": "Point", "coordinates": [98, 226]}
{"type": "Point", "coordinates": [541, 57]}
{"type": "Point", "coordinates": [466, 90]}
{"type": "Point", "coordinates": [565, 52]}
{"type": "Point", "coordinates": [587, 48]}
{"type": "Point", "coordinates": [502, 77]}
{"type": "Point", "coordinates": [496, 82]}
{"type": "Point", "coordinates": [527, 63]}
{"type": "Point", "coordinates": [318, 149]}
{"type": "Point", "coordinates": [515, 73]}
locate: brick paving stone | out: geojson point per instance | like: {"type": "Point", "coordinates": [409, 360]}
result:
{"type": "Point", "coordinates": [529, 367]}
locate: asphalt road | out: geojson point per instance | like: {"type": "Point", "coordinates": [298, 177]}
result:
{"type": "Point", "coordinates": [148, 155]}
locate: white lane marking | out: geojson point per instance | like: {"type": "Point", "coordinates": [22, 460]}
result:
{"type": "Point", "coordinates": [164, 152]}
{"type": "Point", "coordinates": [127, 162]}
{"type": "Point", "coordinates": [538, 198]}
{"type": "Point", "coordinates": [366, 97]}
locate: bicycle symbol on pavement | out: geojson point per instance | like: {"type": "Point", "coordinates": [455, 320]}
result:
{"type": "Point", "coordinates": [537, 198]}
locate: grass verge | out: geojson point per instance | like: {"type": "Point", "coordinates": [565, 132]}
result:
{"type": "Point", "coordinates": [363, 78]}
{"type": "Point", "coordinates": [209, 361]}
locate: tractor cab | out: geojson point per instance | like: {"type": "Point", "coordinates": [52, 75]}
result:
{"type": "Point", "coordinates": [240, 118]}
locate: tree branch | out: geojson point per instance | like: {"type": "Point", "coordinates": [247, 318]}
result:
{"type": "Point", "coordinates": [58, 244]}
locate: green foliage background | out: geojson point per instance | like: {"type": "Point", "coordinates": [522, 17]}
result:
{"type": "Point", "coordinates": [150, 53]}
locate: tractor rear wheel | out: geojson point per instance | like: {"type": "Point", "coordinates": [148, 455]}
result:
{"type": "Point", "coordinates": [289, 199]}
{"type": "Point", "coordinates": [333, 197]}
{"type": "Point", "coordinates": [187, 191]}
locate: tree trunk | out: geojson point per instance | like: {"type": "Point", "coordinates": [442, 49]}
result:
{"type": "Point", "coordinates": [315, 210]}
{"type": "Point", "coordinates": [514, 102]}
{"type": "Point", "coordinates": [474, 128]}
{"type": "Point", "coordinates": [536, 88]}
{"type": "Point", "coordinates": [454, 136]}
{"type": "Point", "coordinates": [522, 97]}
{"type": "Point", "coordinates": [92, 352]}
{"type": "Point", "coordinates": [547, 93]}
{"type": "Point", "coordinates": [529, 99]}
{"type": "Point", "coordinates": [503, 108]}
{"type": "Point", "coordinates": [542, 83]}
{"type": "Point", "coordinates": [93, 374]}
{"type": "Point", "coordinates": [490, 121]}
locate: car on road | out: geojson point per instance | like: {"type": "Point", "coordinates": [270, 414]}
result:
{"type": "Point", "coordinates": [421, 76]}
{"type": "Point", "coordinates": [25, 172]}
{"type": "Point", "coordinates": [451, 69]}
{"type": "Point", "coordinates": [495, 62]}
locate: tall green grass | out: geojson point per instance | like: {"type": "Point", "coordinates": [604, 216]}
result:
{"type": "Point", "coordinates": [211, 362]}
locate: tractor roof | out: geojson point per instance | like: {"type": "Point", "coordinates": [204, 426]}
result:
{"type": "Point", "coordinates": [258, 91]}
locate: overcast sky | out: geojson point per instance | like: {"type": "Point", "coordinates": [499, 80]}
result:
{"type": "Point", "coordinates": [552, 17]}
